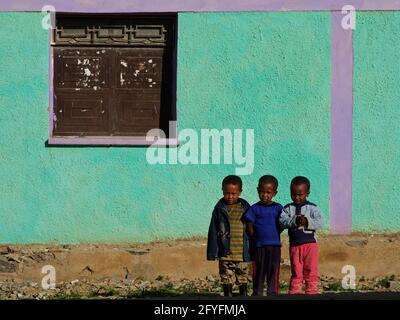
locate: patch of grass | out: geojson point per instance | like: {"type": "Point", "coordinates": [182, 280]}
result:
{"type": "Point", "coordinates": [111, 293]}
{"type": "Point", "coordinates": [337, 286]}
{"type": "Point", "coordinates": [385, 282]}
{"type": "Point", "coordinates": [168, 290]}
{"type": "Point", "coordinates": [168, 286]}
{"type": "Point", "coordinates": [157, 292]}
{"type": "Point", "coordinates": [104, 292]}
{"type": "Point", "coordinates": [68, 296]}
{"type": "Point", "coordinates": [133, 294]}
{"type": "Point", "coordinates": [334, 286]}
{"type": "Point", "coordinates": [161, 293]}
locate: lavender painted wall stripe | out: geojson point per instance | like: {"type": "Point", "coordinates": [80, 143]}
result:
{"type": "Point", "coordinates": [341, 127]}
{"type": "Point", "coordinates": [196, 5]}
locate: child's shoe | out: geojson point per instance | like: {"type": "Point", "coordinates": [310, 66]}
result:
{"type": "Point", "coordinates": [243, 290]}
{"type": "Point", "coordinates": [227, 290]}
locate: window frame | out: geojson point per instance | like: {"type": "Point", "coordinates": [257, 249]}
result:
{"type": "Point", "coordinates": [170, 140]}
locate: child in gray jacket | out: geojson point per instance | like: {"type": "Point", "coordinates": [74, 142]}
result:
{"type": "Point", "coordinates": [302, 218]}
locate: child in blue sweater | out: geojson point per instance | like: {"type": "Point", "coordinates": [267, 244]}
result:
{"type": "Point", "coordinates": [262, 221]}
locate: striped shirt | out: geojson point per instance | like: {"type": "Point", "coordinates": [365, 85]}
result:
{"type": "Point", "coordinates": [235, 212]}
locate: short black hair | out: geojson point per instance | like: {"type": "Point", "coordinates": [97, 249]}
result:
{"type": "Point", "coordinates": [268, 179]}
{"type": "Point", "coordinates": [232, 179]}
{"type": "Point", "coordinates": [300, 180]}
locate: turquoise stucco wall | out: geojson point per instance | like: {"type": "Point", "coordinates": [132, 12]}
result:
{"type": "Point", "coordinates": [376, 129]}
{"type": "Point", "coordinates": [265, 71]}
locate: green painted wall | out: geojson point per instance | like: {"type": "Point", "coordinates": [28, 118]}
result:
{"type": "Point", "coordinates": [376, 129]}
{"type": "Point", "coordinates": [266, 71]}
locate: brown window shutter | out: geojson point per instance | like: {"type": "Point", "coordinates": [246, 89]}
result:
{"type": "Point", "coordinates": [112, 77]}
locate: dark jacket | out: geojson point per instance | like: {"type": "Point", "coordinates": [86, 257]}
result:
{"type": "Point", "coordinates": [218, 244]}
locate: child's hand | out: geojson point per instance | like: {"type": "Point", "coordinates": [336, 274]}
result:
{"type": "Point", "coordinates": [301, 221]}
{"type": "Point", "coordinates": [305, 222]}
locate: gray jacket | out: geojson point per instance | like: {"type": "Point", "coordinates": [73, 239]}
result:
{"type": "Point", "coordinates": [300, 235]}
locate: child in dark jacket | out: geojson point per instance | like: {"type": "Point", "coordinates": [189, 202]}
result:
{"type": "Point", "coordinates": [227, 238]}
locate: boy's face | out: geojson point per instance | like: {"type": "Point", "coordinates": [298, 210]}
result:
{"type": "Point", "coordinates": [299, 193]}
{"type": "Point", "coordinates": [266, 192]}
{"type": "Point", "coordinates": [231, 193]}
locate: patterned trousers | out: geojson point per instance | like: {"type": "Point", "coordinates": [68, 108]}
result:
{"type": "Point", "coordinates": [234, 272]}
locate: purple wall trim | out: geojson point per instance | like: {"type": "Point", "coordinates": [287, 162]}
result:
{"type": "Point", "coordinates": [341, 127]}
{"type": "Point", "coordinates": [196, 5]}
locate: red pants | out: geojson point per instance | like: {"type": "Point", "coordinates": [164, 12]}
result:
{"type": "Point", "coordinates": [304, 266]}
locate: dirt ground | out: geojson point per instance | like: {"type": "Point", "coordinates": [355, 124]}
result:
{"type": "Point", "coordinates": [179, 267]}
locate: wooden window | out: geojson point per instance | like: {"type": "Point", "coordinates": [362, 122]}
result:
{"type": "Point", "coordinates": [114, 76]}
